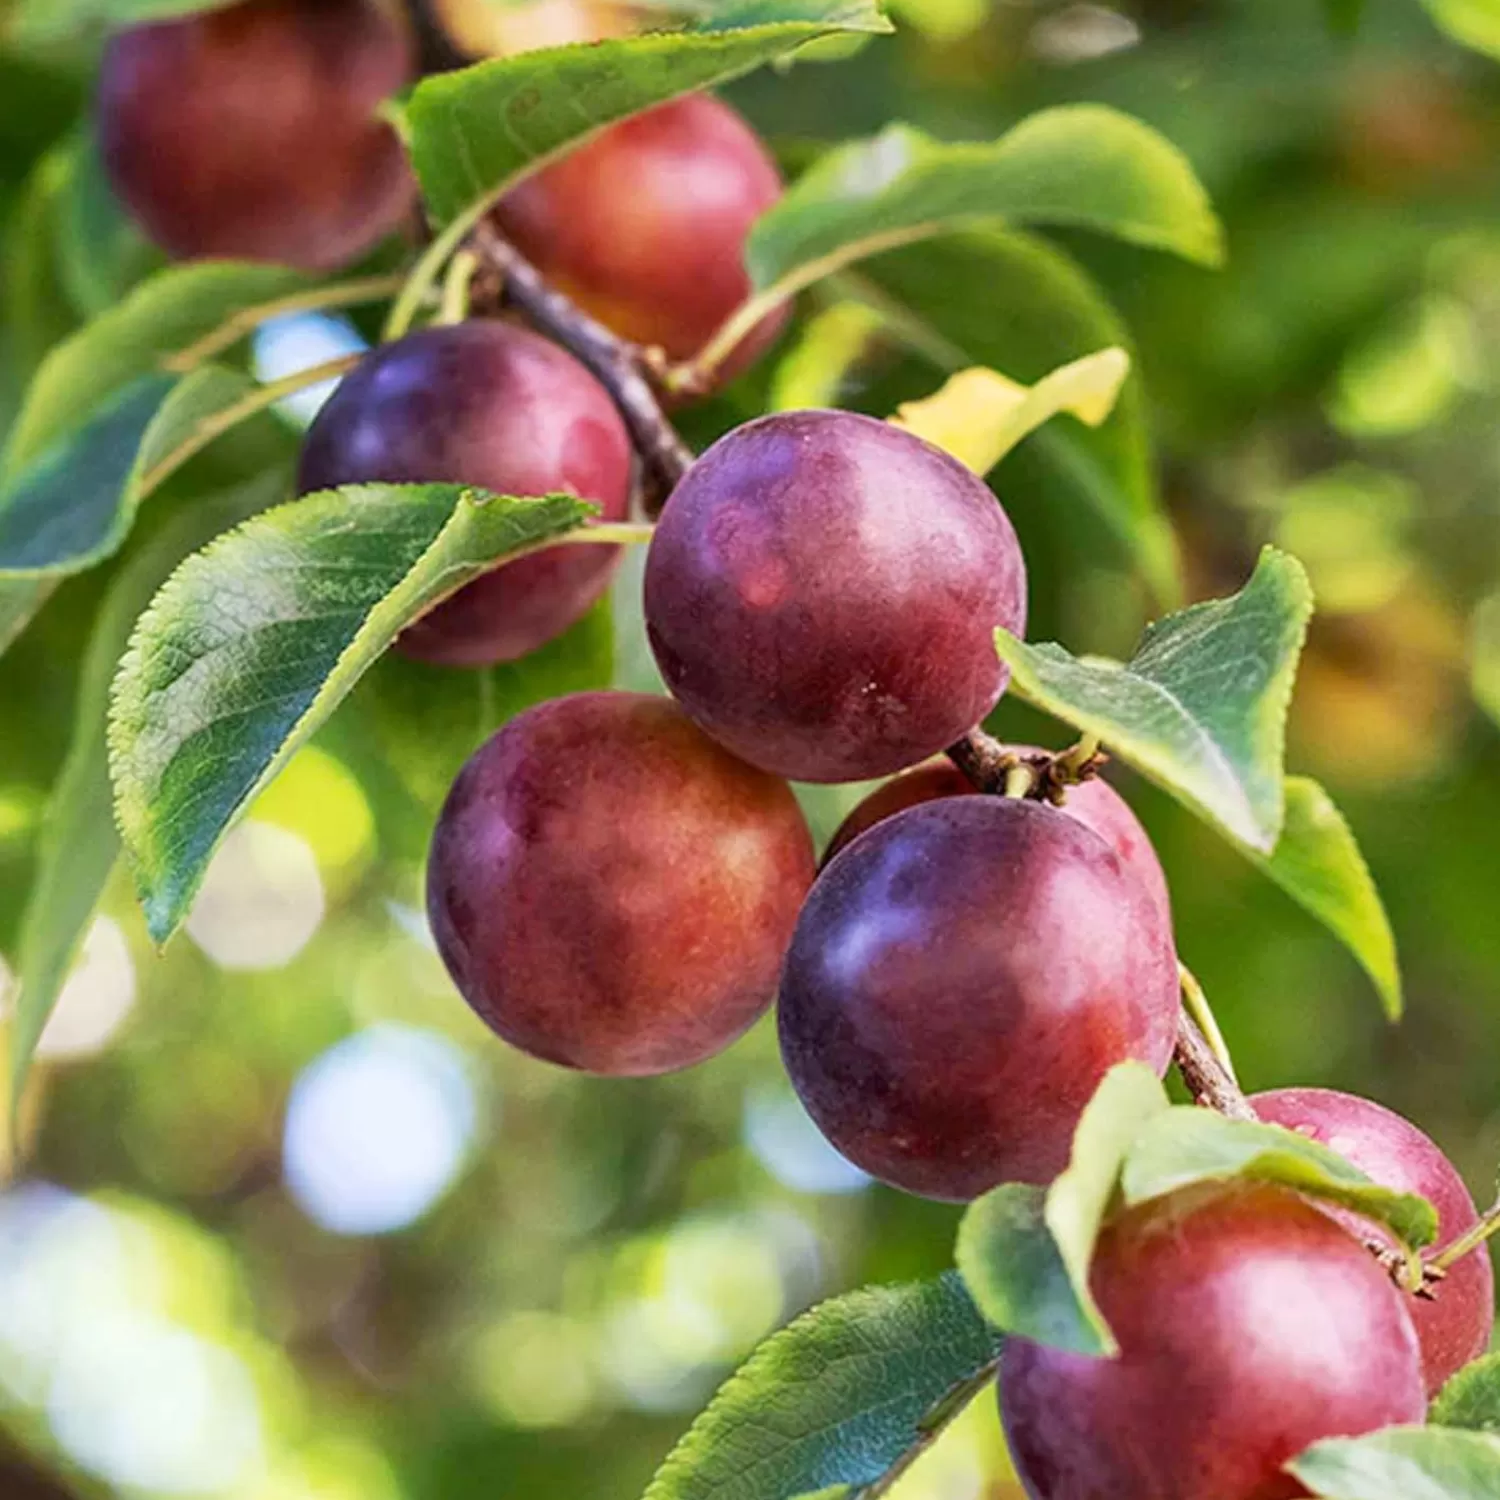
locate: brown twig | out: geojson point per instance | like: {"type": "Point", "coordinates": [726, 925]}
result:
{"type": "Point", "coordinates": [619, 366]}
{"type": "Point", "coordinates": [1206, 1078]}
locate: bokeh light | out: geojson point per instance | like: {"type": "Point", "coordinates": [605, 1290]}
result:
{"type": "Point", "coordinates": [378, 1128]}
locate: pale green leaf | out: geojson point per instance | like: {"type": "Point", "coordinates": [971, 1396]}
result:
{"type": "Point", "coordinates": [1403, 1463]}
{"type": "Point", "coordinates": [1015, 1272]}
{"type": "Point", "coordinates": [1188, 1145]}
{"type": "Point", "coordinates": [1201, 706]}
{"type": "Point", "coordinates": [1471, 1399]}
{"type": "Point", "coordinates": [254, 642]}
{"type": "Point", "coordinates": [848, 1394]}
{"type": "Point", "coordinates": [1130, 1097]}
{"type": "Point", "coordinates": [1318, 863]}
{"type": "Point", "coordinates": [79, 845]}
{"type": "Point", "coordinates": [1025, 1252]}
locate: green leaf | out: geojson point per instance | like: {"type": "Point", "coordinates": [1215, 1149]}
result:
{"type": "Point", "coordinates": [848, 1394]}
{"type": "Point", "coordinates": [1318, 863]}
{"type": "Point", "coordinates": [1200, 708]}
{"type": "Point", "coordinates": [39, 21]}
{"type": "Point", "coordinates": [254, 642]}
{"type": "Point", "coordinates": [1011, 301]}
{"type": "Point", "coordinates": [101, 251]}
{"type": "Point", "coordinates": [471, 133]}
{"type": "Point", "coordinates": [1016, 1274]}
{"type": "Point", "coordinates": [75, 506]}
{"type": "Point", "coordinates": [1403, 1463]}
{"type": "Point", "coordinates": [1079, 165]}
{"type": "Point", "coordinates": [1129, 1097]}
{"type": "Point", "coordinates": [1475, 23]}
{"type": "Point", "coordinates": [1343, 16]}
{"type": "Point", "coordinates": [1025, 1252]}
{"type": "Point", "coordinates": [79, 844]}
{"type": "Point", "coordinates": [1188, 1145]}
{"type": "Point", "coordinates": [1471, 1399]}
{"type": "Point", "coordinates": [162, 316]}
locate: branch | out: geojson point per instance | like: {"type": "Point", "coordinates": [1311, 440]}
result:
{"type": "Point", "coordinates": [1205, 1076]}
{"type": "Point", "coordinates": [619, 366]}
{"type": "Point", "coordinates": [992, 768]}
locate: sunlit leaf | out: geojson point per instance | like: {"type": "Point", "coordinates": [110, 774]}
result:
{"type": "Point", "coordinates": [254, 641]}
{"type": "Point", "coordinates": [1471, 1399]}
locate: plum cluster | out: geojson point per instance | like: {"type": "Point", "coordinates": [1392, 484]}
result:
{"type": "Point", "coordinates": [625, 884]}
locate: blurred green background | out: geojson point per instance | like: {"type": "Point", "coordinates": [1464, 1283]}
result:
{"type": "Point", "coordinates": [292, 1226]}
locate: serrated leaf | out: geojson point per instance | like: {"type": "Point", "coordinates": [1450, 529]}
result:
{"type": "Point", "coordinates": [253, 642]}
{"type": "Point", "coordinates": [79, 845]}
{"type": "Point", "coordinates": [1471, 1399]}
{"type": "Point", "coordinates": [1188, 1145]}
{"type": "Point", "coordinates": [1011, 301]}
{"type": "Point", "coordinates": [1403, 1463]}
{"type": "Point", "coordinates": [1129, 1097]}
{"type": "Point", "coordinates": [40, 21]}
{"type": "Point", "coordinates": [1318, 863]}
{"type": "Point", "coordinates": [979, 415]}
{"type": "Point", "coordinates": [1016, 1274]}
{"type": "Point", "coordinates": [1024, 1252]}
{"type": "Point", "coordinates": [845, 1395]}
{"type": "Point", "coordinates": [1200, 708]}
{"type": "Point", "coordinates": [1079, 165]}
{"type": "Point", "coordinates": [473, 132]}
{"type": "Point", "coordinates": [1475, 23]}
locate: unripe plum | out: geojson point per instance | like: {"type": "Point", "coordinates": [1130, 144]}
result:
{"type": "Point", "coordinates": [822, 594]}
{"type": "Point", "coordinates": [611, 890]}
{"type": "Point", "coordinates": [250, 132]}
{"type": "Point", "coordinates": [498, 407]}
{"type": "Point", "coordinates": [1250, 1326]}
{"type": "Point", "coordinates": [645, 225]}
{"type": "Point", "coordinates": [1094, 803]}
{"type": "Point", "coordinates": [961, 979]}
{"type": "Point", "coordinates": [1454, 1326]}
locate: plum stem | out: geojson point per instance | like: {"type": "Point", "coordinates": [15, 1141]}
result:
{"type": "Point", "coordinates": [992, 768]}
{"type": "Point", "coordinates": [1197, 1006]}
{"type": "Point", "coordinates": [620, 367]}
{"type": "Point", "coordinates": [1466, 1243]}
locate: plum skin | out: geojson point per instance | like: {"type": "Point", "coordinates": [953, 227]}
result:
{"type": "Point", "coordinates": [1250, 1326]}
{"type": "Point", "coordinates": [961, 979]}
{"type": "Point", "coordinates": [822, 592]}
{"type": "Point", "coordinates": [251, 132]}
{"type": "Point", "coordinates": [1095, 803]}
{"type": "Point", "coordinates": [499, 407]}
{"type": "Point", "coordinates": [644, 226]}
{"type": "Point", "coordinates": [612, 891]}
{"type": "Point", "coordinates": [1454, 1326]}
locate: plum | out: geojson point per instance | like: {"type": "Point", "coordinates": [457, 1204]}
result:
{"type": "Point", "coordinates": [961, 979]}
{"type": "Point", "coordinates": [611, 890]}
{"type": "Point", "coordinates": [645, 225]}
{"type": "Point", "coordinates": [1454, 1325]}
{"type": "Point", "coordinates": [250, 131]}
{"type": "Point", "coordinates": [499, 407]}
{"type": "Point", "coordinates": [1250, 1326]}
{"type": "Point", "coordinates": [822, 594]}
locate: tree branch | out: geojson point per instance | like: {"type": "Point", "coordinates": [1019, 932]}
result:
{"type": "Point", "coordinates": [619, 366]}
{"type": "Point", "coordinates": [1205, 1076]}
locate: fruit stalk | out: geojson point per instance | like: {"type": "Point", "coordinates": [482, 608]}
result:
{"type": "Point", "coordinates": [1207, 1079]}
{"type": "Point", "coordinates": [619, 366]}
